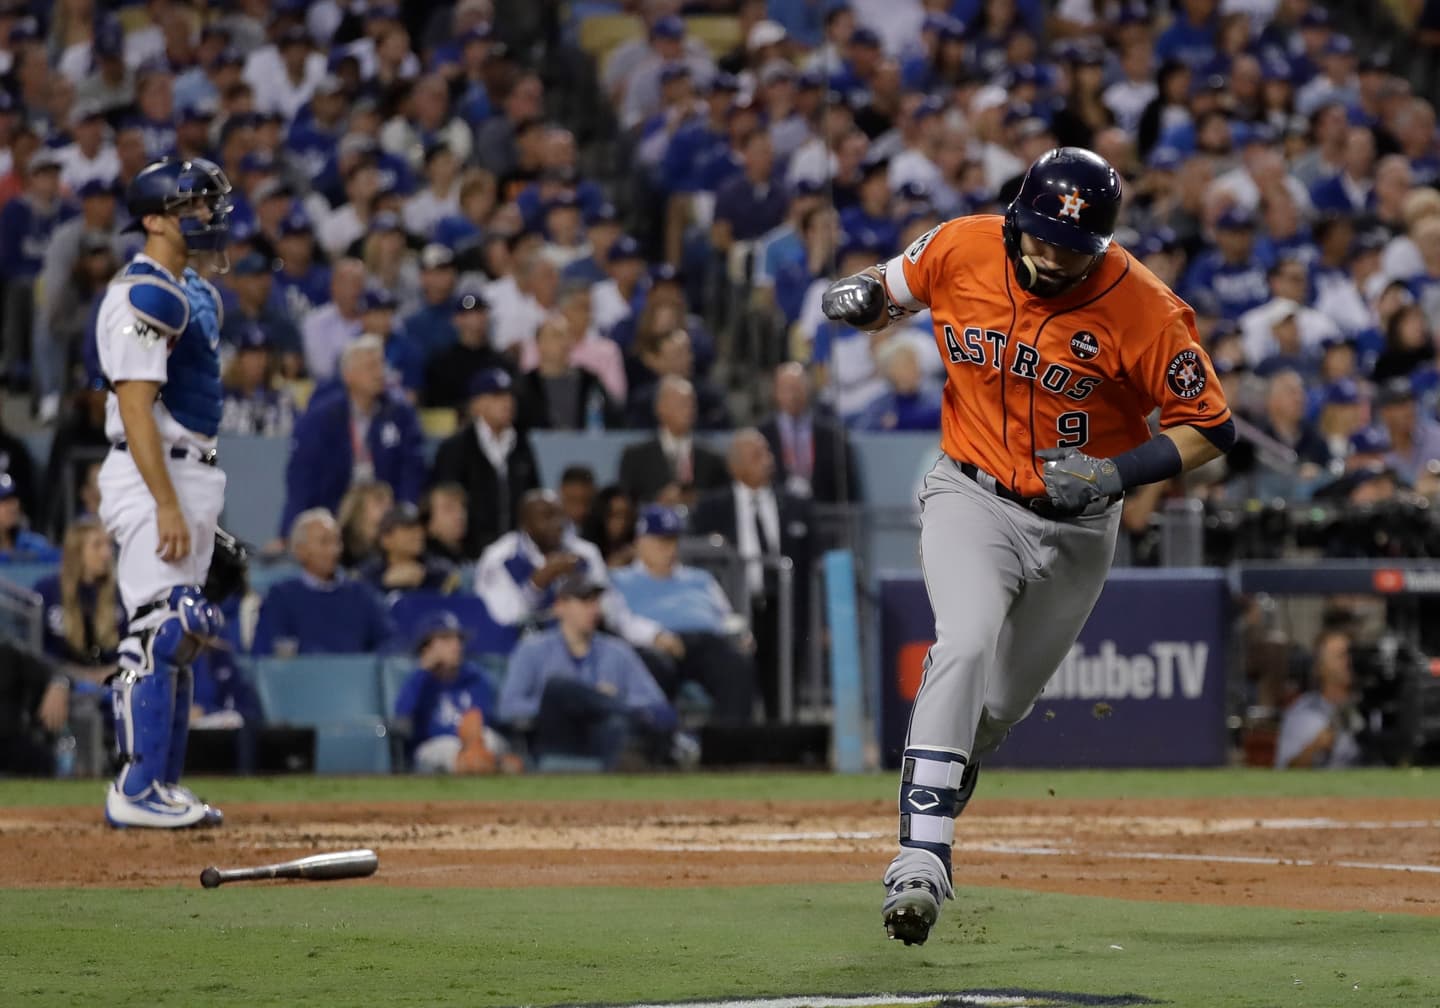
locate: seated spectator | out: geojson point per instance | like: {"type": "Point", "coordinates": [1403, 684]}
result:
{"type": "Point", "coordinates": [1409, 345]}
{"type": "Point", "coordinates": [79, 441]}
{"type": "Point", "coordinates": [1261, 329]}
{"type": "Point", "coordinates": [908, 405]}
{"type": "Point", "coordinates": [34, 707]}
{"type": "Point", "coordinates": [258, 302]}
{"type": "Point", "coordinates": [671, 465]}
{"type": "Point", "coordinates": [329, 330]}
{"type": "Point", "coordinates": [16, 461]}
{"type": "Point", "coordinates": [84, 618]}
{"type": "Point", "coordinates": [584, 692]}
{"type": "Point", "coordinates": [590, 350]}
{"type": "Point", "coordinates": [354, 434]}
{"type": "Point", "coordinates": [672, 354]}
{"type": "Point", "coordinates": [445, 515]}
{"type": "Point", "coordinates": [690, 603]}
{"type": "Point", "coordinates": [813, 456]}
{"type": "Point", "coordinates": [517, 574]}
{"type": "Point", "coordinates": [431, 326]}
{"type": "Point", "coordinates": [1227, 280]}
{"type": "Point", "coordinates": [322, 611]}
{"type": "Point", "coordinates": [1414, 439]}
{"type": "Point", "coordinates": [450, 372]}
{"type": "Point", "coordinates": [610, 525]}
{"type": "Point", "coordinates": [1318, 729]}
{"type": "Point", "coordinates": [363, 508]}
{"type": "Point", "coordinates": [402, 564]}
{"type": "Point", "coordinates": [762, 522]}
{"type": "Point", "coordinates": [447, 707]}
{"type": "Point", "coordinates": [577, 495]}
{"type": "Point", "coordinates": [252, 404]}
{"type": "Point", "coordinates": [17, 543]}
{"type": "Point", "coordinates": [556, 394]}
{"type": "Point", "coordinates": [489, 458]}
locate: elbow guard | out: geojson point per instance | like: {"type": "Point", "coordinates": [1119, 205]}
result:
{"type": "Point", "coordinates": [1222, 436]}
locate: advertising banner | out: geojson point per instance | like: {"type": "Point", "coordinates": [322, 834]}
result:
{"type": "Point", "coordinates": [1144, 686]}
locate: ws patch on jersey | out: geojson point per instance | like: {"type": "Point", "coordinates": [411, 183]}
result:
{"type": "Point", "coordinates": [143, 331]}
{"type": "Point", "coordinates": [1084, 345]}
{"type": "Point", "coordinates": [1186, 375]}
{"type": "Point", "coordinates": [918, 245]}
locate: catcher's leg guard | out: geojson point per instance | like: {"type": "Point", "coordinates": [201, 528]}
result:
{"type": "Point", "coordinates": [179, 725]}
{"type": "Point", "coordinates": [144, 694]}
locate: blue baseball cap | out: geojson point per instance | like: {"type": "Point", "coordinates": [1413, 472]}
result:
{"type": "Point", "coordinates": [257, 161]}
{"type": "Point", "coordinates": [296, 222]}
{"type": "Point", "coordinates": [253, 337]}
{"type": "Point", "coordinates": [251, 264]}
{"type": "Point", "coordinates": [491, 381]}
{"type": "Point", "coordinates": [673, 72]}
{"type": "Point", "coordinates": [624, 247]}
{"type": "Point", "coordinates": [1164, 158]}
{"type": "Point", "coordinates": [96, 187]}
{"type": "Point", "coordinates": [435, 624]}
{"type": "Point", "coordinates": [1236, 219]}
{"type": "Point", "coordinates": [469, 303]}
{"type": "Point", "coordinates": [1342, 392]}
{"type": "Point", "coordinates": [605, 213]}
{"type": "Point", "coordinates": [867, 37]}
{"type": "Point", "coordinates": [658, 520]}
{"type": "Point", "coordinates": [378, 299]}
{"type": "Point", "coordinates": [669, 27]}
{"type": "Point", "coordinates": [1370, 441]}
{"type": "Point", "coordinates": [7, 486]}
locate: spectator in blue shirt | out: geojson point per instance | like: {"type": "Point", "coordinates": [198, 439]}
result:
{"type": "Point", "coordinates": [446, 708]}
{"type": "Point", "coordinates": [1228, 281]}
{"type": "Point", "coordinates": [753, 202]}
{"type": "Point", "coordinates": [402, 563]}
{"type": "Point", "coordinates": [26, 224]}
{"type": "Point", "coordinates": [17, 543]}
{"type": "Point", "coordinates": [431, 327]}
{"type": "Point", "coordinates": [301, 283]}
{"type": "Point", "coordinates": [315, 133]}
{"type": "Point", "coordinates": [1192, 35]}
{"type": "Point", "coordinates": [908, 404]}
{"type": "Point", "coordinates": [322, 611]}
{"type": "Point", "coordinates": [357, 432]}
{"type": "Point", "coordinates": [689, 603]}
{"type": "Point", "coordinates": [582, 692]}
{"type": "Point", "coordinates": [256, 303]}
{"type": "Point", "coordinates": [869, 221]}
{"type": "Point", "coordinates": [84, 619]}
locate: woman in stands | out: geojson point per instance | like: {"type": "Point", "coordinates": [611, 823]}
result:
{"type": "Point", "coordinates": [361, 511]}
{"type": "Point", "coordinates": [84, 620]}
{"type": "Point", "coordinates": [611, 526]}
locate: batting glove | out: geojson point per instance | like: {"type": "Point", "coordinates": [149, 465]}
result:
{"type": "Point", "coordinates": [1074, 480]}
{"type": "Point", "coordinates": [857, 300]}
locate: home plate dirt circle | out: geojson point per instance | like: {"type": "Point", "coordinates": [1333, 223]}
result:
{"type": "Point", "coordinates": [1376, 855]}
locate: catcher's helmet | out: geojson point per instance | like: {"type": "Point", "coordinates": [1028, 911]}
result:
{"type": "Point", "coordinates": [1070, 197]}
{"type": "Point", "coordinates": [174, 186]}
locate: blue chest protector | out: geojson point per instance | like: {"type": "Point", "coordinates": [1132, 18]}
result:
{"type": "Point", "coordinates": [192, 391]}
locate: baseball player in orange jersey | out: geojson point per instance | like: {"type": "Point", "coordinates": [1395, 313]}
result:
{"type": "Point", "coordinates": [1057, 346]}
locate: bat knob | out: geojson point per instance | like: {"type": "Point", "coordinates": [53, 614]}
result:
{"type": "Point", "coordinates": [210, 878]}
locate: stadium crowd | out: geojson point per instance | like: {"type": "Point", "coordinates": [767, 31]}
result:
{"type": "Point", "coordinates": [465, 223]}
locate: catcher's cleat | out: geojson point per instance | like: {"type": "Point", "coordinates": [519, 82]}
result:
{"type": "Point", "coordinates": [154, 808]}
{"type": "Point", "coordinates": [180, 794]}
{"type": "Point", "coordinates": [911, 908]}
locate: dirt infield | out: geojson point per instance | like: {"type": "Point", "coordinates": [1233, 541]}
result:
{"type": "Point", "coordinates": [1377, 855]}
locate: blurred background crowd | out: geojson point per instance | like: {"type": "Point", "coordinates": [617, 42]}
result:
{"type": "Point", "coordinates": [460, 223]}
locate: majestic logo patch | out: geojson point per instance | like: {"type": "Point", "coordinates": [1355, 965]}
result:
{"type": "Point", "coordinates": [1071, 204]}
{"type": "Point", "coordinates": [1084, 345]}
{"type": "Point", "coordinates": [1186, 375]}
{"type": "Point", "coordinates": [918, 245]}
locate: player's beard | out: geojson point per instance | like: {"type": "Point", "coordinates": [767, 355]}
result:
{"type": "Point", "coordinates": [1049, 285]}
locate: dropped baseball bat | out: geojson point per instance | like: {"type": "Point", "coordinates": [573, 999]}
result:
{"type": "Point", "coordinates": [339, 865]}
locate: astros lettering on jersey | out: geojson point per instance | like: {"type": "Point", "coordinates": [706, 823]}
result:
{"type": "Point", "coordinates": [1082, 370]}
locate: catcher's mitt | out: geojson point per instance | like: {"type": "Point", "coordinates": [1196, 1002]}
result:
{"type": "Point", "coordinates": [228, 567]}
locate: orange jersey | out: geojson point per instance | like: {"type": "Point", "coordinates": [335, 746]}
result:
{"type": "Point", "coordinates": [1083, 370]}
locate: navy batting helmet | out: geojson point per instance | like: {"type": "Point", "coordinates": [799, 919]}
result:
{"type": "Point", "coordinates": [178, 187]}
{"type": "Point", "coordinates": [1070, 198]}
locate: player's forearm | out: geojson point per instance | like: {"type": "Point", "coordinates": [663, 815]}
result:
{"type": "Point", "coordinates": [1194, 447]}
{"type": "Point", "coordinates": [143, 440]}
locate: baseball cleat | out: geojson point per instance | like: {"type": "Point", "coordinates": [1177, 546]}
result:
{"type": "Point", "coordinates": [911, 909]}
{"type": "Point", "coordinates": [153, 808]}
{"type": "Point", "coordinates": [182, 795]}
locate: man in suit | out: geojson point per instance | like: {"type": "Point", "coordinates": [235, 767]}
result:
{"type": "Point", "coordinates": [763, 522]}
{"type": "Point", "coordinates": [556, 394]}
{"type": "Point", "coordinates": [812, 454]}
{"type": "Point", "coordinates": [490, 459]}
{"type": "Point", "coordinates": [671, 467]}
{"type": "Point", "coordinates": [356, 432]}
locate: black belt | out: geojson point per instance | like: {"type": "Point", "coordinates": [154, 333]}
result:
{"type": "Point", "coordinates": [1040, 505]}
{"type": "Point", "coordinates": [180, 452]}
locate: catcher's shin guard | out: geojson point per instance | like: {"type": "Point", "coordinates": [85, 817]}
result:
{"type": "Point", "coordinates": [179, 725]}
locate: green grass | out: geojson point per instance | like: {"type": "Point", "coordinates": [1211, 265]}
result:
{"type": "Point", "coordinates": [360, 945]}
{"type": "Point", "coordinates": [1237, 783]}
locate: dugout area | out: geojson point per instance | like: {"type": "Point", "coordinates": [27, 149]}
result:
{"type": "Point", "coordinates": [1075, 888]}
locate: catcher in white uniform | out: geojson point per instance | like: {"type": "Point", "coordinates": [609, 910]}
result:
{"type": "Point", "coordinates": [157, 339]}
